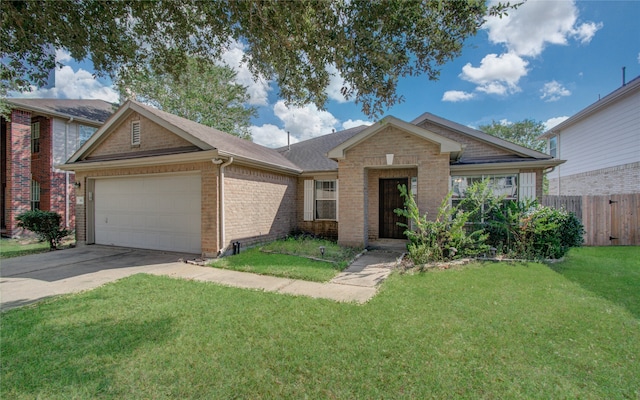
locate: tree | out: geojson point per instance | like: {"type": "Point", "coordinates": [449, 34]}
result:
{"type": "Point", "coordinates": [205, 93]}
{"type": "Point", "coordinates": [524, 133]}
{"type": "Point", "coordinates": [371, 43]}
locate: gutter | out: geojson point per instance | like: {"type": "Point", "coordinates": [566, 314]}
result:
{"type": "Point", "coordinates": [218, 161]}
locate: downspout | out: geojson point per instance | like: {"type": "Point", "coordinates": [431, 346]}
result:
{"type": "Point", "coordinates": [218, 161]}
{"type": "Point", "coordinates": [66, 186]}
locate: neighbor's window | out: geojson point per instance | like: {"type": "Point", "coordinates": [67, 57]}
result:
{"type": "Point", "coordinates": [135, 133]}
{"type": "Point", "coordinates": [553, 146]}
{"type": "Point", "coordinates": [84, 133]}
{"type": "Point", "coordinates": [35, 137]}
{"type": "Point", "coordinates": [35, 195]}
{"type": "Point", "coordinates": [325, 200]}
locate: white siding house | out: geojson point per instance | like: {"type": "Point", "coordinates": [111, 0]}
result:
{"type": "Point", "coordinates": [601, 146]}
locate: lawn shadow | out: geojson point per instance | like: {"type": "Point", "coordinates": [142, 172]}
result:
{"type": "Point", "coordinates": [615, 286]}
{"type": "Point", "coordinates": [75, 356]}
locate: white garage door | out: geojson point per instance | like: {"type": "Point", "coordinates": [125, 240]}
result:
{"type": "Point", "coordinates": [150, 212]}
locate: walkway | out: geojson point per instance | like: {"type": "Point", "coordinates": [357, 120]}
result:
{"type": "Point", "coordinates": [28, 279]}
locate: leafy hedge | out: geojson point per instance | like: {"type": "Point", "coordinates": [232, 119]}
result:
{"type": "Point", "coordinates": [483, 221]}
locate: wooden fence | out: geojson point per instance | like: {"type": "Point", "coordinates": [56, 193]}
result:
{"type": "Point", "coordinates": [608, 220]}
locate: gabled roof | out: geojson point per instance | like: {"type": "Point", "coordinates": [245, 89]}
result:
{"type": "Point", "coordinates": [202, 137]}
{"type": "Point", "coordinates": [446, 145]}
{"type": "Point", "coordinates": [632, 86]}
{"type": "Point", "coordinates": [94, 112]}
{"type": "Point", "coordinates": [479, 135]}
{"type": "Point", "coordinates": [310, 155]}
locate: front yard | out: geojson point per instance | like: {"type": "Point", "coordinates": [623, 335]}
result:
{"type": "Point", "coordinates": [480, 331]}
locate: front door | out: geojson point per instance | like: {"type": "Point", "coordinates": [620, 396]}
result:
{"type": "Point", "coordinates": [390, 199]}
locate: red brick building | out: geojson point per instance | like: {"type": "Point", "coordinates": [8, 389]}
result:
{"type": "Point", "coordinates": [40, 134]}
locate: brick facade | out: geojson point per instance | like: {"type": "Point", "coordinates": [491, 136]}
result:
{"type": "Point", "coordinates": [366, 163]}
{"type": "Point", "coordinates": [259, 205]}
{"type": "Point", "coordinates": [620, 179]}
{"type": "Point", "coordinates": [17, 172]}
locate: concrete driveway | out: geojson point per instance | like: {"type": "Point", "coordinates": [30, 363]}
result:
{"type": "Point", "coordinates": [31, 278]}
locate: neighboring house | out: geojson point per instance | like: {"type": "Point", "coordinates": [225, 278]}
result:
{"type": "Point", "coordinates": [40, 134]}
{"type": "Point", "coordinates": [601, 144]}
{"type": "Point", "coordinates": [150, 179]}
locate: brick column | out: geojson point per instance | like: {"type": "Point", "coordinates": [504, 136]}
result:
{"type": "Point", "coordinates": [18, 168]}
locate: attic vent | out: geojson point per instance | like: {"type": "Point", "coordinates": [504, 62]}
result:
{"type": "Point", "coordinates": [135, 133]}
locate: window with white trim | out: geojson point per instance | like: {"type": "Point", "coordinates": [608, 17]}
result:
{"type": "Point", "coordinates": [501, 185]}
{"type": "Point", "coordinates": [553, 146]}
{"type": "Point", "coordinates": [135, 133]}
{"type": "Point", "coordinates": [84, 133]}
{"type": "Point", "coordinates": [35, 195]}
{"type": "Point", "coordinates": [326, 200]}
{"type": "Point", "coordinates": [321, 200]}
{"type": "Point", "coordinates": [35, 137]}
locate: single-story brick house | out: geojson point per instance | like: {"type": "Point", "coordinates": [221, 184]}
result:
{"type": "Point", "coordinates": [150, 179]}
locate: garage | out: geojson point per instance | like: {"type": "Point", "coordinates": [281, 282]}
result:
{"type": "Point", "coordinates": [159, 212]}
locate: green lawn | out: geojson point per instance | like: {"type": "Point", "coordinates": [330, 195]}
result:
{"type": "Point", "coordinates": [512, 331]}
{"type": "Point", "coordinates": [309, 267]}
{"type": "Point", "coordinates": [15, 248]}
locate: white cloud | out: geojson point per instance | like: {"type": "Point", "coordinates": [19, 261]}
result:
{"type": "Point", "coordinates": [551, 122]}
{"type": "Point", "coordinates": [270, 135]}
{"type": "Point", "coordinates": [585, 32]}
{"type": "Point", "coordinates": [496, 74]}
{"type": "Point", "coordinates": [553, 91]}
{"type": "Point", "coordinates": [638, 58]}
{"type": "Point", "coordinates": [455, 96]}
{"type": "Point", "coordinates": [336, 83]}
{"type": "Point", "coordinates": [350, 123]}
{"type": "Point", "coordinates": [529, 28]}
{"type": "Point", "coordinates": [72, 84]}
{"type": "Point", "coordinates": [258, 90]}
{"type": "Point", "coordinates": [304, 122]}
{"type": "Point", "coordinates": [62, 56]}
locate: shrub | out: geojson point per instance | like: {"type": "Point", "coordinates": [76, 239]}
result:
{"type": "Point", "coordinates": [522, 229]}
{"type": "Point", "coordinates": [549, 233]}
{"type": "Point", "coordinates": [45, 224]}
{"type": "Point", "coordinates": [444, 238]}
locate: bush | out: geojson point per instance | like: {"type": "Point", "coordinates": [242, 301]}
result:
{"type": "Point", "coordinates": [445, 238]}
{"type": "Point", "coordinates": [45, 224]}
{"type": "Point", "coordinates": [549, 233]}
{"type": "Point", "coordinates": [522, 229]}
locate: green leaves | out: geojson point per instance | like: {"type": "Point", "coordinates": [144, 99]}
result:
{"type": "Point", "coordinates": [203, 92]}
{"type": "Point", "coordinates": [45, 224]}
{"type": "Point", "coordinates": [524, 133]}
{"type": "Point", "coordinates": [371, 43]}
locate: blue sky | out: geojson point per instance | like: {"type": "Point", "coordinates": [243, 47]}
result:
{"type": "Point", "coordinates": [545, 61]}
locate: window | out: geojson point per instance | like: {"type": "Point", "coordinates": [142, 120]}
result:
{"type": "Point", "coordinates": [35, 137]}
{"type": "Point", "coordinates": [501, 185]}
{"type": "Point", "coordinates": [321, 200]}
{"type": "Point", "coordinates": [84, 133]}
{"type": "Point", "coordinates": [135, 133]}
{"type": "Point", "coordinates": [35, 195]}
{"type": "Point", "coordinates": [553, 146]}
{"type": "Point", "coordinates": [325, 200]}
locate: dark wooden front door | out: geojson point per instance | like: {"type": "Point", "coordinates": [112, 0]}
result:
{"type": "Point", "coordinates": [390, 199]}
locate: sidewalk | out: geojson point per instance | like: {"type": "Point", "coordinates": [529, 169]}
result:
{"type": "Point", "coordinates": [28, 279]}
{"type": "Point", "coordinates": [358, 283]}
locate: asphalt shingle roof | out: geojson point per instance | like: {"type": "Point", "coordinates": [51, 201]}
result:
{"type": "Point", "coordinates": [91, 110]}
{"type": "Point", "coordinates": [310, 155]}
